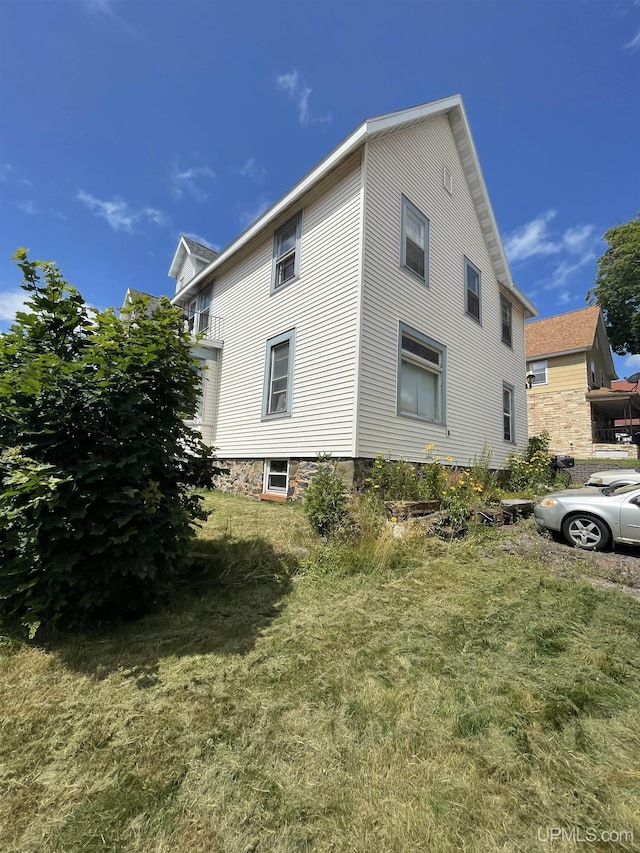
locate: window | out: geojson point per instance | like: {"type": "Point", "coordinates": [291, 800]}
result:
{"type": "Point", "coordinates": [414, 250]}
{"type": "Point", "coordinates": [276, 476]}
{"type": "Point", "coordinates": [593, 374]}
{"type": "Point", "coordinates": [507, 321]}
{"type": "Point", "coordinates": [286, 252]}
{"type": "Point", "coordinates": [200, 368]}
{"type": "Point", "coordinates": [278, 376]}
{"type": "Point", "coordinates": [507, 412]}
{"type": "Point", "coordinates": [472, 289]}
{"type": "Point", "coordinates": [539, 371]}
{"type": "Point", "coordinates": [197, 314]}
{"type": "Point", "coordinates": [421, 376]}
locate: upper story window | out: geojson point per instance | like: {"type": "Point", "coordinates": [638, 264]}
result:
{"type": "Point", "coordinates": [507, 413]}
{"type": "Point", "coordinates": [472, 290]}
{"type": "Point", "coordinates": [198, 310]}
{"type": "Point", "coordinates": [414, 249]}
{"type": "Point", "coordinates": [540, 372]}
{"type": "Point", "coordinates": [593, 374]}
{"type": "Point", "coordinates": [507, 321]}
{"type": "Point", "coordinates": [421, 376]}
{"type": "Point", "coordinates": [278, 383]}
{"type": "Point", "coordinates": [286, 252]}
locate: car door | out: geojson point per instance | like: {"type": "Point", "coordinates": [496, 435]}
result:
{"type": "Point", "coordinates": [630, 519]}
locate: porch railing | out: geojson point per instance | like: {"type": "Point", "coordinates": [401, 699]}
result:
{"type": "Point", "coordinates": [617, 434]}
{"type": "Point", "coordinates": [205, 324]}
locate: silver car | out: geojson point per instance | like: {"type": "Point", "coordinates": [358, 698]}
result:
{"type": "Point", "coordinates": [614, 477]}
{"type": "Point", "coordinates": [592, 518]}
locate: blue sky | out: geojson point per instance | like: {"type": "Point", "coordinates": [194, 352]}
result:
{"type": "Point", "coordinates": [124, 123]}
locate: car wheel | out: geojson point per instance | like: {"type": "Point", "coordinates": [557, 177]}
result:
{"type": "Point", "coordinates": [586, 532]}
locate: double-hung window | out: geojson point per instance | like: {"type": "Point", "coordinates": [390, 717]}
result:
{"type": "Point", "coordinates": [472, 290]}
{"type": "Point", "coordinates": [278, 384]}
{"type": "Point", "coordinates": [421, 376]}
{"type": "Point", "coordinates": [414, 249]}
{"type": "Point", "coordinates": [286, 252]}
{"type": "Point", "coordinates": [276, 476]}
{"type": "Point", "coordinates": [506, 311]}
{"type": "Point", "coordinates": [200, 369]}
{"type": "Point", "coordinates": [539, 371]}
{"type": "Point", "coordinates": [507, 412]}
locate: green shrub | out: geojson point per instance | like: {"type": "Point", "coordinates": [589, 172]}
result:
{"type": "Point", "coordinates": [532, 471]}
{"type": "Point", "coordinates": [96, 463]}
{"type": "Point", "coordinates": [325, 503]}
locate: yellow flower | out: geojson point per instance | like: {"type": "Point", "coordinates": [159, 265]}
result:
{"type": "Point", "coordinates": [428, 447]}
{"type": "Point", "coordinates": [449, 458]}
{"type": "Point", "coordinates": [393, 518]}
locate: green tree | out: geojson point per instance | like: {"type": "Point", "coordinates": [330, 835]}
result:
{"type": "Point", "coordinates": [617, 289]}
{"type": "Point", "coordinates": [97, 466]}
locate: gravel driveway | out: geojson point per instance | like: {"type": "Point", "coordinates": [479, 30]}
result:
{"type": "Point", "coordinates": [619, 568]}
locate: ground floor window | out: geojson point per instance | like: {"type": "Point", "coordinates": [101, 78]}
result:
{"type": "Point", "coordinates": [421, 373]}
{"type": "Point", "coordinates": [507, 412]}
{"type": "Point", "coordinates": [276, 476]}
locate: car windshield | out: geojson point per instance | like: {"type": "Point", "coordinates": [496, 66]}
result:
{"type": "Point", "coordinates": [621, 490]}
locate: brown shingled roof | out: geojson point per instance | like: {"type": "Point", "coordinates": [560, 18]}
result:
{"type": "Point", "coordinates": [572, 331]}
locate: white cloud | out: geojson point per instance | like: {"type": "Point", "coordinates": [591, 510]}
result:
{"type": "Point", "coordinates": [634, 43]}
{"type": "Point", "coordinates": [531, 239]}
{"type": "Point", "coordinates": [563, 271]}
{"type": "Point", "coordinates": [534, 238]}
{"type": "Point", "coordinates": [631, 364]}
{"type": "Point", "coordinates": [27, 207]}
{"type": "Point", "coordinates": [292, 84]}
{"type": "Point", "coordinates": [252, 169]}
{"type": "Point", "coordinates": [11, 301]}
{"type": "Point", "coordinates": [99, 7]}
{"type": "Point", "coordinates": [564, 298]}
{"type": "Point", "coordinates": [5, 171]}
{"type": "Point", "coordinates": [119, 215]}
{"type": "Point", "coordinates": [252, 213]}
{"type": "Point", "coordinates": [190, 181]}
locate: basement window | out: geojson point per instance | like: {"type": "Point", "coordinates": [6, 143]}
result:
{"type": "Point", "coordinates": [276, 476]}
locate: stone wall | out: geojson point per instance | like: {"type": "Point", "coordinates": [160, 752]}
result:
{"type": "Point", "coordinates": [245, 476]}
{"type": "Point", "coordinates": [566, 416]}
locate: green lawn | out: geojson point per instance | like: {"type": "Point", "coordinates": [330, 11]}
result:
{"type": "Point", "coordinates": [409, 695]}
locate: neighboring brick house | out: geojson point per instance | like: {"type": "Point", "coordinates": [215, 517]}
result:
{"type": "Point", "coordinates": [570, 369]}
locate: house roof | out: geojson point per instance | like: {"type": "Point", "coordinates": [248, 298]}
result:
{"type": "Point", "coordinates": [575, 331]}
{"type": "Point", "coordinates": [374, 128]}
{"type": "Point", "coordinates": [562, 333]}
{"type": "Point", "coordinates": [187, 246]}
{"type": "Point", "coordinates": [132, 292]}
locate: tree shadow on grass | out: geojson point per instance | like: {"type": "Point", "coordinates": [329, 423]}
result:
{"type": "Point", "coordinates": [231, 593]}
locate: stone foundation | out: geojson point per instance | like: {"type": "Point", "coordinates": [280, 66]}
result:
{"type": "Point", "coordinates": [245, 476]}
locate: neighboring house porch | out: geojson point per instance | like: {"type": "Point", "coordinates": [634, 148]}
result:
{"type": "Point", "coordinates": [570, 375]}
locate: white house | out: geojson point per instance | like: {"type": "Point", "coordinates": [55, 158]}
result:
{"type": "Point", "coordinates": [371, 309]}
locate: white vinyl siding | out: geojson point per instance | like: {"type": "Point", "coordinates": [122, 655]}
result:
{"type": "Point", "coordinates": [322, 307]}
{"type": "Point", "coordinates": [409, 163]}
{"type": "Point", "coordinates": [207, 365]}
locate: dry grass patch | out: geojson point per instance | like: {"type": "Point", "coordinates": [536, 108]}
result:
{"type": "Point", "coordinates": [428, 697]}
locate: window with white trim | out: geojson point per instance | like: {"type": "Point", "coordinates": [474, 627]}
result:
{"type": "Point", "coordinates": [472, 290]}
{"type": "Point", "coordinates": [286, 252]}
{"type": "Point", "coordinates": [197, 314]}
{"type": "Point", "coordinates": [507, 413]}
{"type": "Point", "coordinates": [414, 246]}
{"type": "Point", "coordinates": [278, 384]}
{"type": "Point", "coordinates": [421, 376]}
{"type": "Point", "coordinates": [539, 371]}
{"type": "Point", "coordinates": [200, 368]}
{"type": "Point", "coordinates": [506, 311]}
{"type": "Point", "coordinates": [276, 476]}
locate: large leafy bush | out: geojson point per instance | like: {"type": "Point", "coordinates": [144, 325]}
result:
{"type": "Point", "coordinates": [96, 463]}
